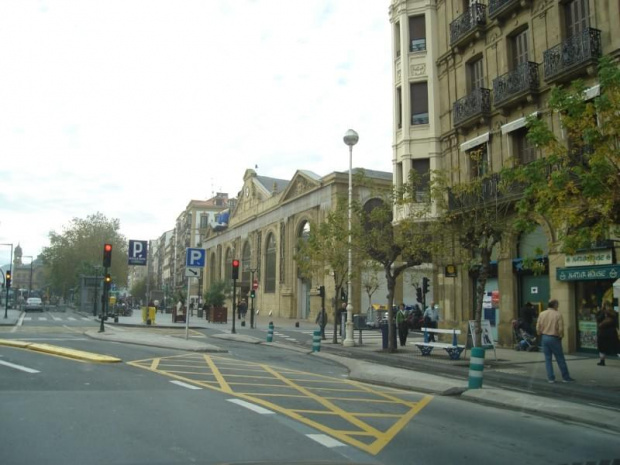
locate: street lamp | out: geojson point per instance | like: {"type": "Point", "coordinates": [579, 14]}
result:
{"type": "Point", "coordinates": [6, 303]}
{"type": "Point", "coordinates": [350, 138]}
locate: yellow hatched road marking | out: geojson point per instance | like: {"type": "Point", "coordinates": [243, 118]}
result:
{"type": "Point", "coordinates": [221, 368]}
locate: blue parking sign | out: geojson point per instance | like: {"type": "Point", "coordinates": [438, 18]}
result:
{"type": "Point", "coordinates": [137, 252]}
{"type": "Point", "coordinates": [195, 257]}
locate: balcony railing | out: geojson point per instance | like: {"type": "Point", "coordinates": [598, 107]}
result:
{"type": "Point", "coordinates": [476, 104]}
{"type": "Point", "coordinates": [467, 23]}
{"type": "Point", "coordinates": [502, 8]}
{"type": "Point", "coordinates": [523, 80]}
{"type": "Point", "coordinates": [575, 52]}
{"type": "Point", "coordinates": [491, 189]}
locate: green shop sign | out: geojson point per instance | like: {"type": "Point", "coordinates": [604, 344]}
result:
{"type": "Point", "coordinates": [588, 273]}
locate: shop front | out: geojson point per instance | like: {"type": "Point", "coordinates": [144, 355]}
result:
{"type": "Point", "coordinates": [592, 284]}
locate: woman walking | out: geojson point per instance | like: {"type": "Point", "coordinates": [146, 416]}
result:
{"type": "Point", "coordinates": [607, 337]}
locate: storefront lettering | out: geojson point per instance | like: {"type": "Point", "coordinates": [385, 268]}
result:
{"type": "Point", "coordinates": [588, 274]}
{"type": "Point", "coordinates": [603, 257]}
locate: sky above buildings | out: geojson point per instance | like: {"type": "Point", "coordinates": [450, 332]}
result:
{"type": "Point", "coordinates": [132, 108]}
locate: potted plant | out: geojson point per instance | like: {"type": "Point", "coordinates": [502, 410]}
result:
{"type": "Point", "coordinates": [214, 299]}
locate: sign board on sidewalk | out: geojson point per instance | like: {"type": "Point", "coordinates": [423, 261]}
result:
{"type": "Point", "coordinates": [137, 252]}
{"type": "Point", "coordinates": [195, 258]}
{"type": "Point", "coordinates": [486, 336]}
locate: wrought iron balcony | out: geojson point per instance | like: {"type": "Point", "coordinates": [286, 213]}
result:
{"type": "Point", "coordinates": [491, 190]}
{"type": "Point", "coordinates": [571, 56]}
{"type": "Point", "coordinates": [466, 25]}
{"type": "Point", "coordinates": [475, 105]}
{"type": "Point", "coordinates": [503, 8]}
{"type": "Point", "coordinates": [516, 84]}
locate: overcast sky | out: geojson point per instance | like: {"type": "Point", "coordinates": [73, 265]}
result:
{"type": "Point", "coordinates": [135, 107]}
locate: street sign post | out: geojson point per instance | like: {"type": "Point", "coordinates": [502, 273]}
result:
{"type": "Point", "coordinates": [194, 262]}
{"type": "Point", "coordinates": [138, 251]}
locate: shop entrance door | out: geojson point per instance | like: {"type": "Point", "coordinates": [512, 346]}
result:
{"type": "Point", "coordinates": [535, 289]}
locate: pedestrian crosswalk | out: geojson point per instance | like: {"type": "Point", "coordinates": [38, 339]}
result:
{"type": "Point", "coordinates": [55, 318]}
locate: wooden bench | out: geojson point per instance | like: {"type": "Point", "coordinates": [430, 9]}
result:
{"type": "Point", "coordinates": [454, 350]}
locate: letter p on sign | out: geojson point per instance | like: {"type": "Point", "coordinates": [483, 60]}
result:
{"type": "Point", "coordinates": [195, 257]}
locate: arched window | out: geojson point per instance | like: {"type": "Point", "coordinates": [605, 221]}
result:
{"type": "Point", "coordinates": [228, 265]}
{"type": "Point", "coordinates": [270, 264]}
{"type": "Point", "coordinates": [246, 263]}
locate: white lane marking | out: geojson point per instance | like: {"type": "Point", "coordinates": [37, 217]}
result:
{"type": "Point", "coordinates": [85, 319]}
{"type": "Point", "coordinates": [19, 367]}
{"type": "Point", "coordinates": [250, 406]}
{"type": "Point", "coordinates": [185, 385]}
{"type": "Point", "coordinates": [71, 318]}
{"type": "Point", "coordinates": [42, 318]}
{"type": "Point", "coordinates": [325, 440]}
{"type": "Point", "coordinates": [28, 318]}
{"type": "Point", "coordinates": [55, 318]}
{"type": "Point", "coordinates": [603, 406]}
{"type": "Point", "coordinates": [54, 339]}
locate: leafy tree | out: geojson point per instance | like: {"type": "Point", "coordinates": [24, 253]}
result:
{"type": "Point", "coordinates": [217, 294]}
{"type": "Point", "coordinates": [325, 252]}
{"type": "Point", "coordinates": [576, 184]}
{"type": "Point", "coordinates": [395, 247]}
{"type": "Point", "coordinates": [138, 289]}
{"type": "Point", "coordinates": [78, 250]}
{"type": "Point", "coordinates": [474, 215]}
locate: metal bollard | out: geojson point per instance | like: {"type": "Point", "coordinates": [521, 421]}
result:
{"type": "Point", "coordinates": [316, 341]}
{"type": "Point", "coordinates": [270, 332]}
{"type": "Point", "coordinates": [476, 365]}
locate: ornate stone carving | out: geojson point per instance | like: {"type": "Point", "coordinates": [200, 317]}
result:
{"type": "Point", "coordinates": [418, 70]}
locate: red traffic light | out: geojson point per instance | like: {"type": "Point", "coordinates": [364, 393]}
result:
{"type": "Point", "coordinates": [107, 248]}
{"type": "Point", "coordinates": [255, 284]}
{"type": "Point", "coordinates": [107, 255]}
{"type": "Point", "coordinates": [235, 269]}
{"type": "Point", "coordinates": [235, 263]}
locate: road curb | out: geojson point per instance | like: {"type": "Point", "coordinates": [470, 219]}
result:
{"type": "Point", "coordinates": [164, 342]}
{"type": "Point", "coordinates": [62, 351]}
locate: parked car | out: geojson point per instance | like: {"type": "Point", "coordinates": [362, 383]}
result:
{"type": "Point", "coordinates": [34, 304]}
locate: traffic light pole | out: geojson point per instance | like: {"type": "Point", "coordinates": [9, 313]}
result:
{"type": "Point", "coordinates": [234, 302]}
{"type": "Point", "coordinates": [105, 299]}
{"type": "Point", "coordinates": [252, 296]}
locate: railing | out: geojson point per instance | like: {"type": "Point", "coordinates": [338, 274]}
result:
{"type": "Point", "coordinates": [496, 6]}
{"type": "Point", "coordinates": [467, 22]}
{"type": "Point", "coordinates": [476, 103]}
{"type": "Point", "coordinates": [574, 51]}
{"type": "Point", "coordinates": [490, 190]}
{"type": "Point", "coordinates": [522, 79]}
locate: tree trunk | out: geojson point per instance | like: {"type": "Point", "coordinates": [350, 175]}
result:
{"type": "Point", "coordinates": [391, 285]}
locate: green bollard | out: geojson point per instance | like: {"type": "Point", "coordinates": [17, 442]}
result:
{"type": "Point", "coordinates": [476, 365]}
{"type": "Point", "coordinates": [270, 332]}
{"type": "Point", "coordinates": [316, 341]}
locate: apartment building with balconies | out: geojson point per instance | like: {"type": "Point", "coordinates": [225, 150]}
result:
{"type": "Point", "coordinates": [496, 63]}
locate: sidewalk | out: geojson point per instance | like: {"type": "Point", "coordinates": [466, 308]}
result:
{"type": "Point", "coordinates": [12, 317]}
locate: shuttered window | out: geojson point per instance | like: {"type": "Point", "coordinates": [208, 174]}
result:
{"type": "Point", "coordinates": [519, 48]}
{"type": "Point", "coordinates": [419, 103]}
{"type": "Point", "coordinates": [417, 33]}
{"type": "Point", "coordinates": [577, 16]}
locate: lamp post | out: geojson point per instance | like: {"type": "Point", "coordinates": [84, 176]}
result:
{"type": "Point", "coordinates": [6, 302]}
{"type": "Point", "coordinates": [350, 138]}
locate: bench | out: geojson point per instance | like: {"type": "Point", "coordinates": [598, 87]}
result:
{"type": "Point", "coordinates": [454, 350]}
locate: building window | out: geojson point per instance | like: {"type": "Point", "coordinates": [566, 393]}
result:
{"type": "Point", "coordinates": [399, 107]}
{"type": "Point", "coordinates": [228, 265]}
{"type": "Point", "coordinates": [417, 33]}
{"type": "Point", "coordinates": [576, 17]}
{"type": "Point", "coordinates": [478, 161]}
{"type": "Point", "coordinates": [525, 150]}
{"type": "Point", "coordinates": [204, 220]}
{"type": "Point", "coordinates": [397, 39]}
{"type": "Point", "coordinates": [419, 103]}
{"type": "Point", "coordinates": [246, 263]}
{"type": "Point", "coordinates": [519, 46]}
{"type": "Point", "coordinates": [475, 75]}
{"type": "Point", "coordinates": [420, 178]}
{"type": "Point", "coordinates": [270, 264]}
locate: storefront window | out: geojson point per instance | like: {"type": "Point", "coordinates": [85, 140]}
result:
{"type": "Point", "coordinates": [590, 296]}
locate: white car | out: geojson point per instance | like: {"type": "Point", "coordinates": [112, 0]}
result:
{"type": "Point", "coordinates": [34, 304]}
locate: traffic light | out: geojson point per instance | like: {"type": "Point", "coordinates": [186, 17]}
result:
{"type": "Point", "coordinates": [235, 269]}
{"type": "Point", "coordinates": [343, 294]}
{"type": "Point", "coordinates": [107, 281]}
{"type": "Point", "coordinates": [425, 285]}
{"type": "Point", "coordinates": [419, 295]}
{"type": "Point", "coordinates": [8, 279]}
{"type": "Point", "coordinates": [322, 291]}
{"type": "Point", "coordinates": [107, 255]}
{"type": "Point", "coordinates": [252, 294]}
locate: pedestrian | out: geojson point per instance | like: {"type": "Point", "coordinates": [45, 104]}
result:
{"type": "Point", "coordinates": [401, 323]}
{"type": "Point", "coordinates": [607, 335]}
{"type": "Point", "coordinates": [550, 326]}
{"type": "Point", "coordinates": [431, 319]}
{"type": "Point", "coordinates": [243, 308]}
{"type": "Point", "coordinates": [527, 318]}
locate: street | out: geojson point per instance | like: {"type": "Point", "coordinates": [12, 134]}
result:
{"type": "Point", "coordinates": [254, 403]}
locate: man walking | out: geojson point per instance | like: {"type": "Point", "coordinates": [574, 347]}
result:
{"type": "Point", "coordinates": [431, 319]}
{"type": "Point", "coordinates": [550, 326]}
{"type": "Point", "coordinates": [401, 322]}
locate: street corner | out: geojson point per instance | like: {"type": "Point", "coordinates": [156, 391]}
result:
{"type": "Point", "coordinates": [154, 340]}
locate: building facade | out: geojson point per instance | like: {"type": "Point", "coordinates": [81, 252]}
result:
{"type": "Point", "coordinates": [496, 64]}
{"type": "Point", "coordinates": [262, 231]}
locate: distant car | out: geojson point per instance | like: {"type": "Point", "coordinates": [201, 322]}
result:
{"type": "Point", "coordinates": [34, 304]}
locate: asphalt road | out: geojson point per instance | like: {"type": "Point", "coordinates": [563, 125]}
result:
{"type": "Point", "coordinates": [254, 404]}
